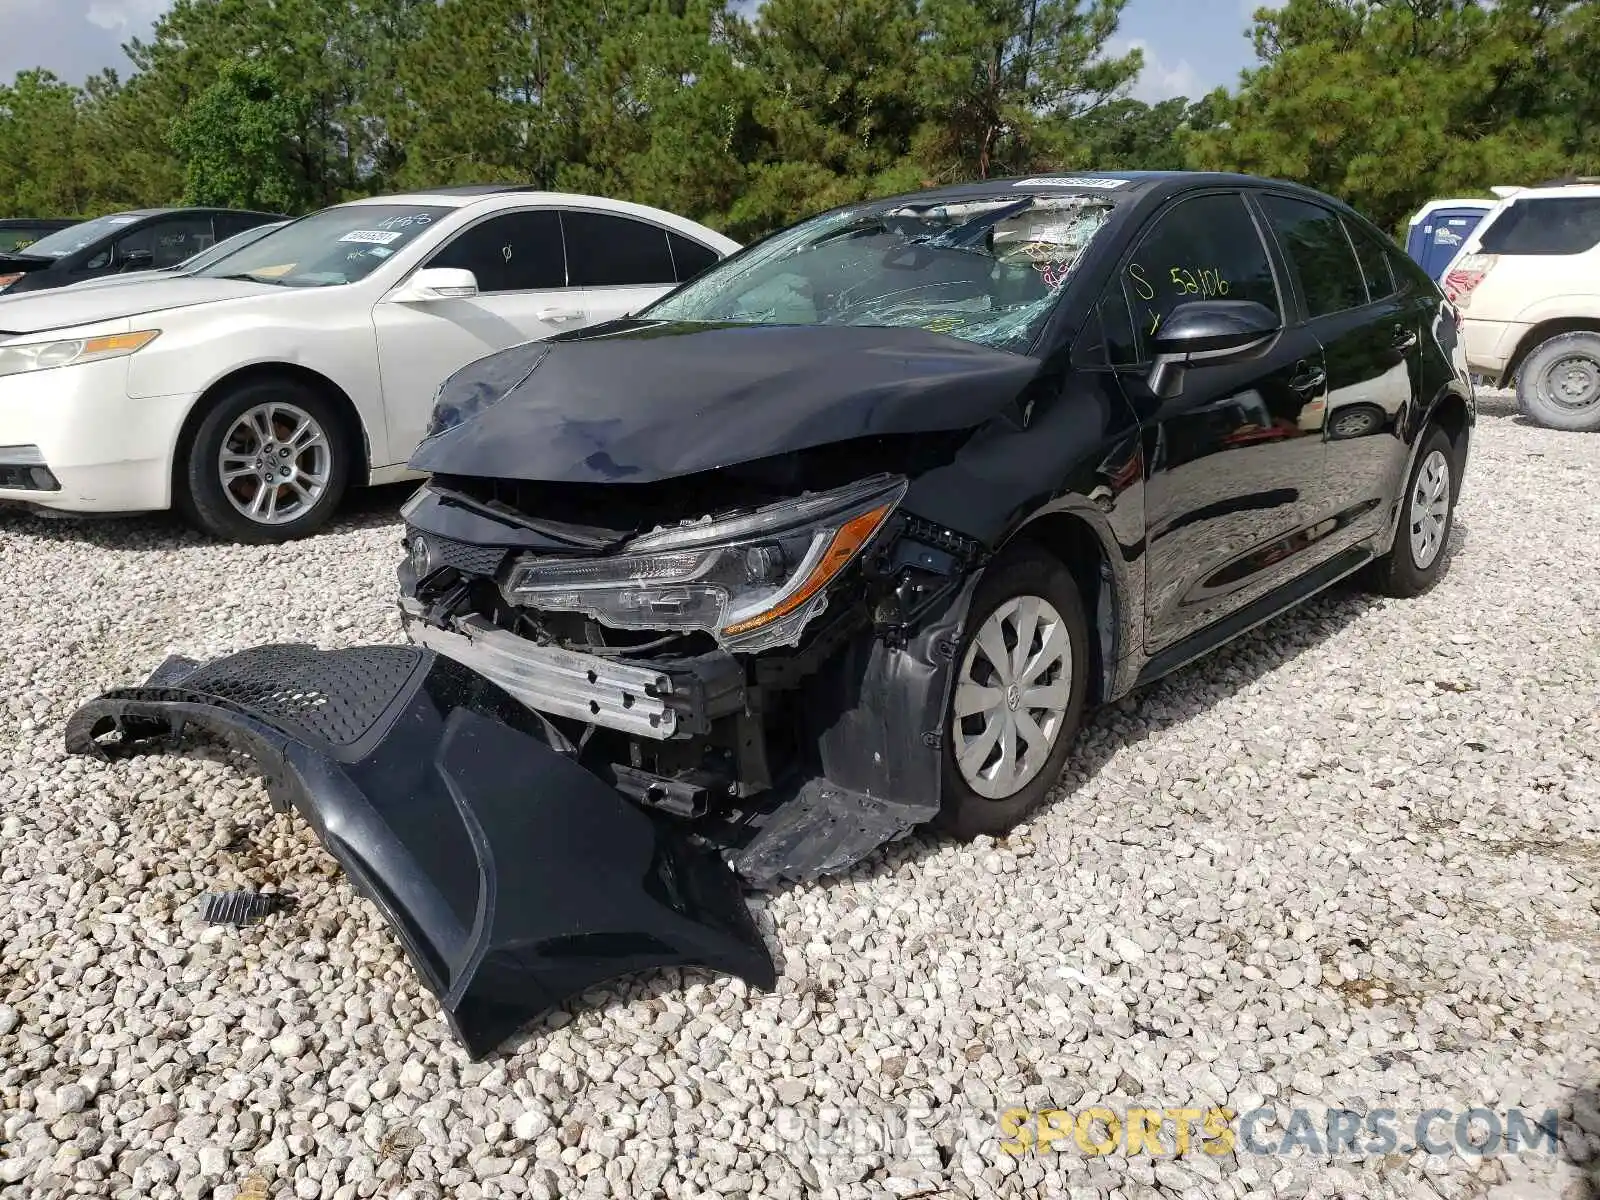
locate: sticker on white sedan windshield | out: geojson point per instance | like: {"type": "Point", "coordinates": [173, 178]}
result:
{"type": "Point", "coordinates": [376, 237]}
{"type": "Point", "coordinates": [1088, 181]}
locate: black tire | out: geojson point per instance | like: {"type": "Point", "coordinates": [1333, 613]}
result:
{"type": "Point", "coordinates": [1023, 572]}
{"type": "Point", "coordinates": [199, 488]}
{"type": "Point", "coordinates": [1558, 384]}
{"type": "Point", "coordinates": [1399, 573]}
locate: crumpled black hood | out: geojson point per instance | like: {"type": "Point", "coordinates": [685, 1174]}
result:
{"type": "Point", "coordinates": [638, 401]}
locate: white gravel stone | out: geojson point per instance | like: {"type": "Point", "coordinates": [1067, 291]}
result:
{"type": "Point", "coordinates": [1354, 859]}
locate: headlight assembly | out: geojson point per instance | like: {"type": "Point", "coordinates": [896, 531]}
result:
{"type": "Point", "coordinates": [67, 352]}
{"type": "Point", "coordinates": [753, 581]}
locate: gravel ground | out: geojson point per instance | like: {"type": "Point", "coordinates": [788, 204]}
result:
{"type": "Point", "coordinates": [1351, 861]}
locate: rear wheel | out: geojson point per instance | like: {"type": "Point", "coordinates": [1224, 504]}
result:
{"type": "Point", "coordinates": [1427, 514]}
{"type": "Point", "coordinates": [1021, 676]}
{"type": "Point", "coordinates": [1559, 383]}
{"type": "Point", "coordinates": [268, 463]}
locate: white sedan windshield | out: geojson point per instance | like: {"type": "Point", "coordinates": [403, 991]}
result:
{"type": "Point", "coordinates": [986, 270]}
{"type": "Point", "coordinates": [332, 247]}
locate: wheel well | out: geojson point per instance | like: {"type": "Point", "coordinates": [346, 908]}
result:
{"type": "Point", "coordinates": [1541, 333]}
{"type": "Point", "coordinates": [321, 384]}
{"type": "Point", "coordinates": [1450, 415]}
{"type": "Point", "coordinates": [1074, 542]}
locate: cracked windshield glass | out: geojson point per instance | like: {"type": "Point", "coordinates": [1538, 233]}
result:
{"type": "Point", "coordinates": [986, 271]}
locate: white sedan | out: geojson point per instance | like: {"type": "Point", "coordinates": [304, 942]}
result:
{"type": "Point", "coordinates": [251, 393]}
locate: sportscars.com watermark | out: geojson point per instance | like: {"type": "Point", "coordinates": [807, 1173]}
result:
{"type": "Point", "coordinates": [840, 1132]}
{"type": "Point", "coordinates": [1219, 1131]}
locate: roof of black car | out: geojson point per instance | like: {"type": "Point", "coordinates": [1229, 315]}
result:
{"type": "Point", "coordinates": [1117, 187]}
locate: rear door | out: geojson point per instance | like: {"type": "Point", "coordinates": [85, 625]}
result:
{"type": "Point", "coordinates": [623, 263]}
{"type": "Point", "coordinates": [520, 264]}
{"type": "Point", "coordinates": [1229, 461]}
{"type": "Point", "coordinates": [1370, 339]}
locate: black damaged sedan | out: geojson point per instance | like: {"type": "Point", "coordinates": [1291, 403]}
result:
{"type": "Point", "coordinates": [838, 539]}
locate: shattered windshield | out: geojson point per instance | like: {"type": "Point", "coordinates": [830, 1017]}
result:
{"type": "Point", "coordinates": [335, 246]}
{"type": "Point", "coordinates": [986, 270]}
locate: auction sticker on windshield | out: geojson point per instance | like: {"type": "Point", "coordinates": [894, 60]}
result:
{"type": "Point", "coordinates": [1086, 181]}
{"type": "Point", "coordinates": [377, 237]}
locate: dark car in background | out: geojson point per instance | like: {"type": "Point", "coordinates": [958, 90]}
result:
{"type": "Point", "coordinates": [837, 539]}
{"type": "Point", "coordinates": [138, 240]}
{"type": "Point", "coordinates": [18, 233]}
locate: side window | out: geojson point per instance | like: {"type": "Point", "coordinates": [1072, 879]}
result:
{"type": "Point", "coordinates": [604, 250]}
{"type": "Point", "coordinates": [168, 242]}
{"type": "Point", "coordinates": [1373, 256]}
{"type": "Point", "coordinates": [1203, 248]}
{"type": "Point", "coordinates": [1325, 267]}
{"type": "Point", "coordinates": [228, 224]}
{"type": "Point", "coordinates": [516, 252]}
{"type": "Point", "coordinates": [1553, 225]}
{"type": "Point", "coordinates": [689, 257]}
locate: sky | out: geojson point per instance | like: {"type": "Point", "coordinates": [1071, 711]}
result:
{"type": "Point", "coordinates": [1190, 46]}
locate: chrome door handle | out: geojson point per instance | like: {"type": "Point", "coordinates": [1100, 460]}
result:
{"type": "Point", "coordinates": [557, 314]}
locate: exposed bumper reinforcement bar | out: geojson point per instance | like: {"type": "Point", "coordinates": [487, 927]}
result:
{"type": "Point", "coordinates": [513, 876]}
{"type": "Point", "coordinates": [560, 682]}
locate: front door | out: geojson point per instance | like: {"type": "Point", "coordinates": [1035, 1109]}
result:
{"type": "Point", "coordinates": [1231, 461]}
{"type": "Point", "coordinates": [520, 264]}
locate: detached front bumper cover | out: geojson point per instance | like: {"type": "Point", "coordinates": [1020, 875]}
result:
{"type": "Point", "coordinates": [513, 876]}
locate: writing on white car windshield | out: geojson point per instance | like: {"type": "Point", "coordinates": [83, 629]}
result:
{"type": "Point", "coordinates": [987, 270]}
{"type": "Point", "coordinates": [329, 248]}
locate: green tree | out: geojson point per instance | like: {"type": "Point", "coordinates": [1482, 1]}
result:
{"type": "Point", "coordinates": [334, 62]}
{"type": "Point", "coordinates": [1130, 135]}
{"type": "Point", "coordinates": [1388, 102]}
{"type": "Point", "coordinates": [835, 100]}
{"type": "Point", "coordinates": [38, 130]}
{"type": "Point", "coordinates": [1000, 80]}
{"type": "Point", "coordinates": [234, 140]}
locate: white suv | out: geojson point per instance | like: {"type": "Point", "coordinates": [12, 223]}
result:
{"type": "Point", "coordinates": [1527, 285]}
{"type": "Point", "coordinates": [251, 392]}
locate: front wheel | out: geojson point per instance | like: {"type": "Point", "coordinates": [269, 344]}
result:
{"type": "Point", "coordinates": [1021, 677]}
{"type": "Point", "coordinates": [267, 464]}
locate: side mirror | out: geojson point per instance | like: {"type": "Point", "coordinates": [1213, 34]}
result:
{"type": "Point", "coordinates": [137, 260]}
{"type": "Point", "coordinates": [1207, 331]}
{"type": "Point", "coordinates": [436, 283]}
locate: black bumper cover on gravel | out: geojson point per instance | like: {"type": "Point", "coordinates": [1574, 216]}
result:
{"type": "Point", "coordinates": [513, 876]}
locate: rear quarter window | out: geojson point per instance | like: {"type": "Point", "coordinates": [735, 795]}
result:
{"type": "Point", "coordinates": [1550, 225]}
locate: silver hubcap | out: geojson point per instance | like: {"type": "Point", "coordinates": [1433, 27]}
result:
{"type": "Point", "coordinates": [275, 463]}
{"type": "Point", "coordinates": [1430, 508]}
{"type": "Point", "coordinates": [1011, 696]}
{"type": "Point", "coordinates": [1573, 382]}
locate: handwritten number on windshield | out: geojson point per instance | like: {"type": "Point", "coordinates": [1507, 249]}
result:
{"type": "Point", "coordinates": [1206, 281]}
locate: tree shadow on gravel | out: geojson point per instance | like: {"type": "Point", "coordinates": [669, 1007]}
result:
{"type": "Point", "coordinates": [362, 508]}
{"type": "Point", "coordinates": [1170, 702]}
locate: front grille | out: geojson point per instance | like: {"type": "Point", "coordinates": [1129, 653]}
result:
{"type": "Point", "coordinates": [468, 558]}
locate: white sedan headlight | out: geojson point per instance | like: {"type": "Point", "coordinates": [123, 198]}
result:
{"type": "Point", "coordinates": [66, 352]}
{"type": "Point", "coordinates": [752, 581]}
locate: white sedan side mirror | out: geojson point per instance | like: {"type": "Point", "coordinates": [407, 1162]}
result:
{"type": "Point", "coordinates": [437, 283]}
